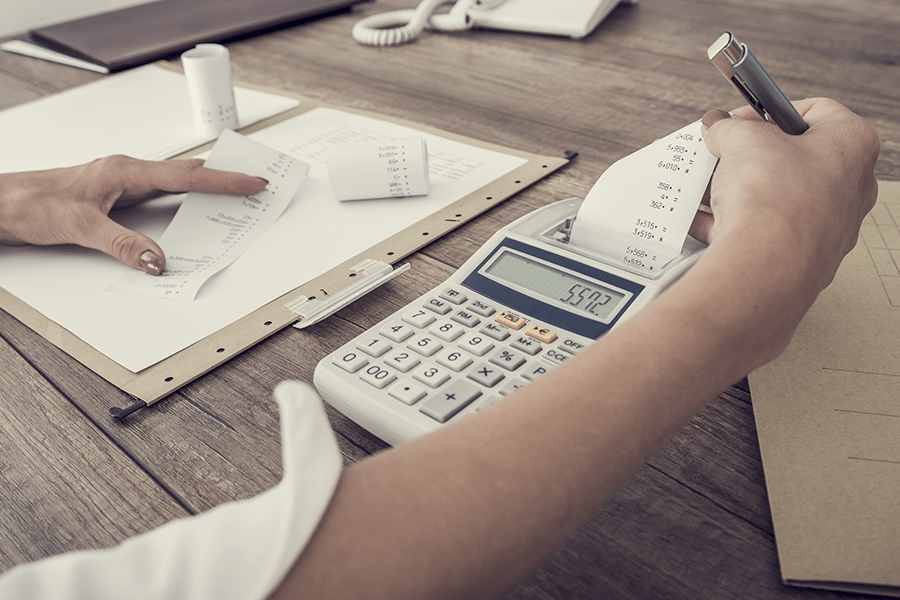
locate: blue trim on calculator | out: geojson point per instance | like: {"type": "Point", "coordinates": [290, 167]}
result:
{"type": "Point", "coordinates": [542, 311]}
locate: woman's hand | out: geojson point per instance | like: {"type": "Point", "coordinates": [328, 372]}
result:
{"type": "Point", "coordinates": [72, 205]}
{"type": "Point", "coordinates": [811, 191]}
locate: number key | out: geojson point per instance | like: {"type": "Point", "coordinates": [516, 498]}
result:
{"type": "Point", "coordinates": [351, 361]}
{"type": "Point", "coordinates": [476, 343]}
{"type": "Point", "coordinates": [402, 360]}
{"type": "Point", "coordinates": [454, 359]}
{"type": "Point", "coordinates": [397, 332]}
{"type": "Point", "coordinates": [431, 375]}
{"type": "Point", "coordinates": [447, 330]}
{"type": "Point", "coordinates": [376, 375]}
{"type": "Point", "coordinates": [419, 318]}
{"type": "Point", "coordinates": [425, 345]}
{"type": "Point", "coordinates": [373, 346]}
{"type": "Point", "coordinates": [441, 307]}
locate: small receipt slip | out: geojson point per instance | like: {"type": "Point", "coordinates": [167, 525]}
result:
{"type": "Point", "coordinates": [211, 231]}
{"type": "Point", "coordinates": [640, 210]}
{"type": "Point", "coordinates": [379, 169]}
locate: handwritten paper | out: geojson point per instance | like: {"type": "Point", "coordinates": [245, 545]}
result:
{"type": "Point", "coordinates": [640, 210]}
{"type": "Point", "coordinates": [207, 68]}
{"type": "Point", "coordinates": [382, 169]}
{"type": "Point", "coordinates": [211, 231]}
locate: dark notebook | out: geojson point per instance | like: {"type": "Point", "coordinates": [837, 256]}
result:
{"type": "Point", "coordinates": [133, 36]}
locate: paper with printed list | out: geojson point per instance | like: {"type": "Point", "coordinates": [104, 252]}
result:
{"type": "Point", "coordinates": [211, 231]}
{"type": "Point", "coordinates": [640, 210]}
{"type": "Point", "coordinates": [382, 169]}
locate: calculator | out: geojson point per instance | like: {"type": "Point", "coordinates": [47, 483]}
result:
{"type": "Point", "coordinates": [525, 303]}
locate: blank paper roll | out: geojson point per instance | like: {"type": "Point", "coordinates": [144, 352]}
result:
{"type": "Point", "coordinates": [207, 68]}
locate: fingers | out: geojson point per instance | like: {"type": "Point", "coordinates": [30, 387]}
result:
{"type": "Point", "coordinates": [143, 178]}
{"type": "Point", "coordinates": [128, 247]}
{"type": "Point", "coordinates": [701, 228]}
{"type": "Point", "coordinates": [713, 123]}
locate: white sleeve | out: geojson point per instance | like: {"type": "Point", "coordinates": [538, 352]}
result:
{"type": "Point", "coordinates": [240, 550]}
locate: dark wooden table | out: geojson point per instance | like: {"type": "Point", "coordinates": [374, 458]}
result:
{"type": "Point", "coordinates": [693, 523]}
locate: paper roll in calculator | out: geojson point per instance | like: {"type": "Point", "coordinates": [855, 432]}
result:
{"type": "Point", "coordinates": [380, 169]}
{"type": "Point", "coordinates": [639, 212]}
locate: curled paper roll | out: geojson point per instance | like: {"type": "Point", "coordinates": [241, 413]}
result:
{"type": "Point", "coordinates": [207, 68]}
{"type": "Point", "coordinates": [384, 169]}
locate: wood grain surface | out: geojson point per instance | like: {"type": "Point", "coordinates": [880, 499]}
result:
{"type": "Point", "coordinates": [693, 523]}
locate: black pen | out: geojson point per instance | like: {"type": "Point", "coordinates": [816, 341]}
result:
{"type": "Point", "coordinates": [738, 65]}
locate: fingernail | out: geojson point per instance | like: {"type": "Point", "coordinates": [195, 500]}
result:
{"type": "Point", "coordinates": [265, 181]}
{"type": "Point", "coordinates": [150, 263]}
{"type": "Point", "coordinates": [714, 116]}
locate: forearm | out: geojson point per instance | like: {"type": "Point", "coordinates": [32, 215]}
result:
{"type": "Point", "coordinates": [469, 510]}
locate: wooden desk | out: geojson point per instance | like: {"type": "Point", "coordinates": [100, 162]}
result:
{"type": "Point", "coordinates": [693, 523]}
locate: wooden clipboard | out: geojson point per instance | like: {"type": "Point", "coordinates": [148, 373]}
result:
{"type": "Point", "coordinates": [167, 376]}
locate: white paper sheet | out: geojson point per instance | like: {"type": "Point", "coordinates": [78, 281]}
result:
{"type": "Point", "coordinates": [211, 231]}
{"type": "Point", "coordinates": [640, 210]}
{"type": "Point", "coordinates": [24, 48]}
{"type": "Point", "coordinates": [315, 234]}
{"type": "Point", "coordinates": [381, 169]}
{"type": "Point", "coordinates": [207, 68]}
{"type": "Point", "coordinates": [144, 112]}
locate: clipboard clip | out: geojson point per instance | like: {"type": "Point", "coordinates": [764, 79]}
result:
{"type": "Point", "coordinates": [369, 275]}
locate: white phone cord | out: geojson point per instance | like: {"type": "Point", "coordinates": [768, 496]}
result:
{"type": "Point", "coordinates": [402, 26]}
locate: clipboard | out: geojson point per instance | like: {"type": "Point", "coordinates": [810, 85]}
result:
{"type": "Point", "coordinates": [309, 302]}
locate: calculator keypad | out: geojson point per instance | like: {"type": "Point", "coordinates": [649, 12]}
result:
{"type": "Point", "coordinates": [449, 351]}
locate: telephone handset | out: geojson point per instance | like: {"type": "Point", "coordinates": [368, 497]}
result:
{"type": "Point", "coordinates": [572, 18]}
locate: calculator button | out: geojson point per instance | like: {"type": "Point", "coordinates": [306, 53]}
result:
{"type": "Point", "coordinates": [454, 296]}
{"type": "Point", "coordinates": [511, 386]}
{"type": "Point", "coordinates": [555, 356]}
{"type": "Point", "coordinates": [534, 370]}
{"type": "Point", "coordinates": [402, 360]}
{"type": "Point", "coordinates": [511, 320]}
{"type": "Point", "coordinates": [441, 307]}
{"type": "Point", "coordinates": [447, 330]}
{"type": "Point", "coordinates": [397, 332]}
{"type": "Point", "coordinates": [466, 318]}
{"type": "Point", "coordinates": [351, 361]}
{"type": "Point", "coordinates": [495, 331]}
{"type": "Point", "coordinates": [485, 374]}
{"type": "Point", "coordinates": [407, 391]}
{"type": "Point", "coordinates": [431, 375]}
{"type": "Point", "coordinates": [485, 310]}
{"type": "Point", "coordinates": [419, 318]}
{"type": "Point", "coordinates": [476, 343]}
{"type": "Point", "coordinates": [377, 376]}
{"type": "Point", "coordinates": [527, 345]}
{"type": "Point", "coordinates": [571, 346]}
{"type": "Point", "coordinates": [507, 359]}
{"type": "Point", "coordinates": [450, 400]}
{"type": "Point", "coordinates": [542, 334]}
{"type": "Point", "coordinates": [453, 359]}
{"type": "Point", "coordinates": [374, 346]}
{"type": "Point", "coordinates": [426, 345]}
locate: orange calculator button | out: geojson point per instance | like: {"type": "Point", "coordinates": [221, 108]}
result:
{"type": "Point", "coordinates": [511, 320]}
{"type": "Point", "coordinates": [542, 334]}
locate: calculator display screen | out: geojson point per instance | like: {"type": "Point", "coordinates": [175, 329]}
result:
{"type": "Point", "coordinates": [555, 285]}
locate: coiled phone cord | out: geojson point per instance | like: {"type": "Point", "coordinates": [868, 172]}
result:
{"type": "Point", "coordinates": [402, 26]}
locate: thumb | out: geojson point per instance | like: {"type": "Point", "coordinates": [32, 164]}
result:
{"type": "Point", "coordinates": [715, 123]}
{"type": "Point", "coordinates": [128, 247]}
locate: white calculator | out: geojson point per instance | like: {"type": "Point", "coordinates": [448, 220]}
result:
{"type": "Point", "coordinates": [524, 304]}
